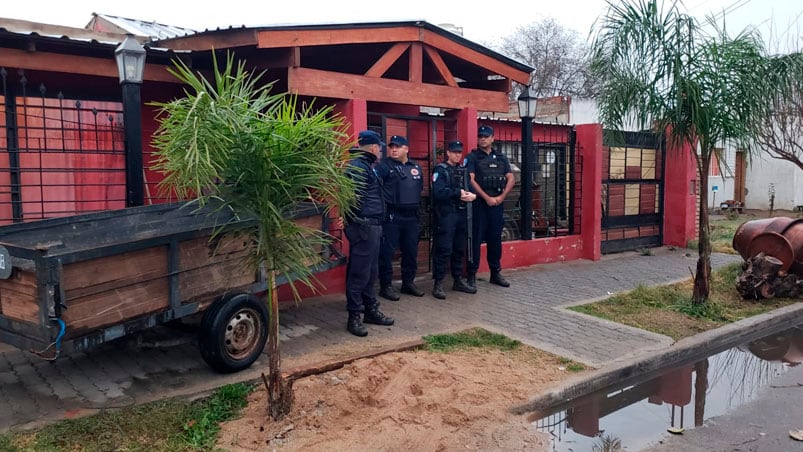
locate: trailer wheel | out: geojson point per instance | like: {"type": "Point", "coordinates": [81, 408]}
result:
{"type": "Point", "coordinates": [233, 332]}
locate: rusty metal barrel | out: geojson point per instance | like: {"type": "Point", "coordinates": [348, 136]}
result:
{"type": "Point", "coordinates": [747, 232]}
{"type": "Point", "coordinates": [780, 237]}
{"type": "Point", "coordinates": [794, 233]}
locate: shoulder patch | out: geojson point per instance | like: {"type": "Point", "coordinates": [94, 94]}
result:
{"type": "Point", "coordinates": [414, 171]}
{"type": "Point", "coordinates": [435, 176]}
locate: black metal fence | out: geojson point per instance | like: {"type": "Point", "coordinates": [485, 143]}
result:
{"type": "Point", "coordinates": [59, 155]}
{"type": "Point", "coordinates": [557, 181]}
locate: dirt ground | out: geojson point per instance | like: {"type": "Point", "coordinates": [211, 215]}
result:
{"type": "Point", "coordinates": [412, 401]}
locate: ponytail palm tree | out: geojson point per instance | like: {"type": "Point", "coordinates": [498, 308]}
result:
{"type": "Point", "coordinates": [658, 68]}
{"type": "Point", "coordinates": [260, 155]}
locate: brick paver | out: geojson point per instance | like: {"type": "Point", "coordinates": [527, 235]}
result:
{"type": "Point", "coordinates": [137, 370]}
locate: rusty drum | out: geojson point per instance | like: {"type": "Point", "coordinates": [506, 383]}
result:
{"type": "Point", "coordinates": [775, 245]}
{"type": "Point", "coordinates": [794, 233]}
{"type": "Point", "coordinates": [748, 231]}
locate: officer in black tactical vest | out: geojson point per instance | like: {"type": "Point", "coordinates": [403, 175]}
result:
{"type": "Point", "coordinates": [363, 228]}
{"type": "Point", "coordinates": [402, 185]}
{"type": "Point", "coordinates": [450, 195]}
{"type": "Point", "coordinates": [492, 180]}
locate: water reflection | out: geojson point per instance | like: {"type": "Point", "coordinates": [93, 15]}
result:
{"type": "Point", "coordinates": [640, 414]}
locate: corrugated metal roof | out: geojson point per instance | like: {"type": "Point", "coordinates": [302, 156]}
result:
{"type": "Point", "coordinates": [153, 30]}
{"type": "Point", "coordinates": [24, 27]}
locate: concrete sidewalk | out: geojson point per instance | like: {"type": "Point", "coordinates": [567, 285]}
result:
{"type": "Point", "coordinates": [165, 363]}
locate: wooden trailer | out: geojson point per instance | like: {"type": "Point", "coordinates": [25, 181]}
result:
{"type": "Point", "coordinates": [75, 282]}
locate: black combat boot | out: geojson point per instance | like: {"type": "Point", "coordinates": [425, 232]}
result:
{"type": "Point", "coordinates": [355, 325]}
{"type": "Point", "coordinates": [437, 290]}
{"type": "Point", "coordinates": [461, 286]}
{"type": "Point", "coordinates": [410, 289]}
{"type": "Point", "coordinates": [471, 281]}
{"type": "Point", "coordinates": [388, 292]}
{"type": "Point", "coordinates": [374, 315]}
{"type": "Point", "coordinates": [499, 280]}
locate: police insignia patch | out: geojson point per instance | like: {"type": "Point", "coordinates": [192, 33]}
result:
{"type": "Point", "coordinates": [414, 172]}
{"type": "Point", "coordinates": [435, 177]}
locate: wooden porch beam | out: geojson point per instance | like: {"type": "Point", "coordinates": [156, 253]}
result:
{"type": "Point", "coordinates": [318, 83]}
{"type": "Point", "coordinates": [74, 64]}
{"type": "Point", "coordinates": [386, 61]}
{"type": "Point", "coordinates": [267, 39]}
{"type": "Point", "coordinates": [474, 56]}
{"type": "Point", "coordinates": [416, 69]}
{"type": "Point", "coordinates": [440, 66]}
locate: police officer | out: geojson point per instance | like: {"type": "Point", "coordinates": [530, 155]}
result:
{"type": "Point", "coordinates": [492, 180]}
{"type": "Point", "coordinates": [364, 230]}
{"type": "Point", "coordinates": [450, 195]}
{"type": "Point", "coordinates": [402, 185]}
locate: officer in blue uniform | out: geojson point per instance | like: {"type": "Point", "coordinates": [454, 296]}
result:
{"type": "Point", "coordinates": [450, 195]}
{"type": "Point", "coordinates": [402, 185]}
{"type": "Point", "coordinates": [363, 228]}
{"type": "Point", "coordinates": [492, 180]}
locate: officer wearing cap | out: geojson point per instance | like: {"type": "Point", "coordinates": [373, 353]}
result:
{"type": "Point", "coordinates": [363, 228]}
{"type": "Point", "coordinates": [491, 179]}
{"type": "Point", "coordinates": [402, 185]}
{"type": "Point", "coordinates": [450, 195]}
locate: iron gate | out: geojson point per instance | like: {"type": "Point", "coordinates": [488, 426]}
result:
{"type": "Point", "coordinates": [428, 138]}
{"type": "Point", "coordinates": [59, 156]}
{"type": "Point", "coordinates": [632, 190]}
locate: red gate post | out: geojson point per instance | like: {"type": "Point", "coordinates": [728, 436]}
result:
{"type": "Point", "coordinates": [680, 195]}
{"type": "Point", "coordinates": [589, 144]}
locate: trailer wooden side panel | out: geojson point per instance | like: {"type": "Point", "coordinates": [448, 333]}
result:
{"type": "Point", "coordinates": [18, 297]}
{"type": "Point", "coordinates": [208, 268]}
{"type": "Point", "coordinates": [107, 290]}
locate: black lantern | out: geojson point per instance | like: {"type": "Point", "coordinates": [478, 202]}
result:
{"type": "Point", "coordinates": [527, 103]}
{"type": "Point", "coordinates": [130, 56]}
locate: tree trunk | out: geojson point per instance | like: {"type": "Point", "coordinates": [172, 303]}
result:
{"type": "Point", "coordinates": [702, 278]}
{"type": "Point", "coordinates": [280, 393]}
{"type": "Point", "coordinates": [700, 388]}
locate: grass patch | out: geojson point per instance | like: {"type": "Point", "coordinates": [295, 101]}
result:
{"type": "Point", "coordinates": [668, 309]}
{"type": "Point", "coordinates": [167, 425]}
{"type": "Point", "coordinates": [570, 365]}
{"type": "Point", "coordinates": [475, 337]}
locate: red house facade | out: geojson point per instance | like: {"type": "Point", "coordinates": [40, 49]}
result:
{"type": "Point", "coordinates": [61, 130]}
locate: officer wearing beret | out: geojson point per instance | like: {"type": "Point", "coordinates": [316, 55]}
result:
{"type": "Point", "coordinates": [403, 182]}
{"type": "Point", "coordinates": [450, 194]}
{"type": "Point", "coordinates": [492, 180]}
{"type": "Point", "coordinates": [364, 230]}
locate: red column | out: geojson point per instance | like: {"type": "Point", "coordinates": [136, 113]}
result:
{"type": "Point", "coordinates": [355, 112]}
{"type": "Point", "coordinates": [467, 128]}
{"type": "Point", "coordinates": [680, 198]}
{"type": "Point", "coordinates": [589, 143]}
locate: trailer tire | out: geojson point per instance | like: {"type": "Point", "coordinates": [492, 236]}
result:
{"type": "Point", "coordinates": [233, 332]}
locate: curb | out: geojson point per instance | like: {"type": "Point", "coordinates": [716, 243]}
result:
{"type": "Point", "coordinates": [625, 372]}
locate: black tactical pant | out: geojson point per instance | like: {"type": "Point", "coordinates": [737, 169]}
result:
{"type": "Point", "coordinates": [363, 265]}
{"type": "Point", "coordinates": [450, 244]}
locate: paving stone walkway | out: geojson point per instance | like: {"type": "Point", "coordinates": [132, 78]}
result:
{"type": "Point", "coordinates": [163, 363]}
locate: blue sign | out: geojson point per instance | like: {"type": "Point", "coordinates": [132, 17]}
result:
{"type": "Point", "coordinates": [714, 188]}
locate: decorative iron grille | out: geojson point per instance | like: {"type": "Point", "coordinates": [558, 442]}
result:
{"type": "Point", "coordinates": [59, 156]}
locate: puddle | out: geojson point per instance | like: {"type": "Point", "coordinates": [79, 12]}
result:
{"type": "Point", "coordinates": [640, 415]}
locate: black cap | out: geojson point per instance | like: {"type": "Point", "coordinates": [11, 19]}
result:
{"type": "Point", "coordinates": [369, 137]}
{"type": "Point", "coordinates": [485, 131]}
{"type": "Point", "coordinates": [398, 140]}
{"type": "Point", "coordinates": [455, 146]}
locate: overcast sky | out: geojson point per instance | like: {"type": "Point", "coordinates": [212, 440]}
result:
{"type": "Point", "coordinates": [483, 22]}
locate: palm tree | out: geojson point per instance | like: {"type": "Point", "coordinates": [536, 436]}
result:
{"type": "Point", "coordinates": [659, 69]}
{"type": "Point", "coordinates": [259, 154]}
